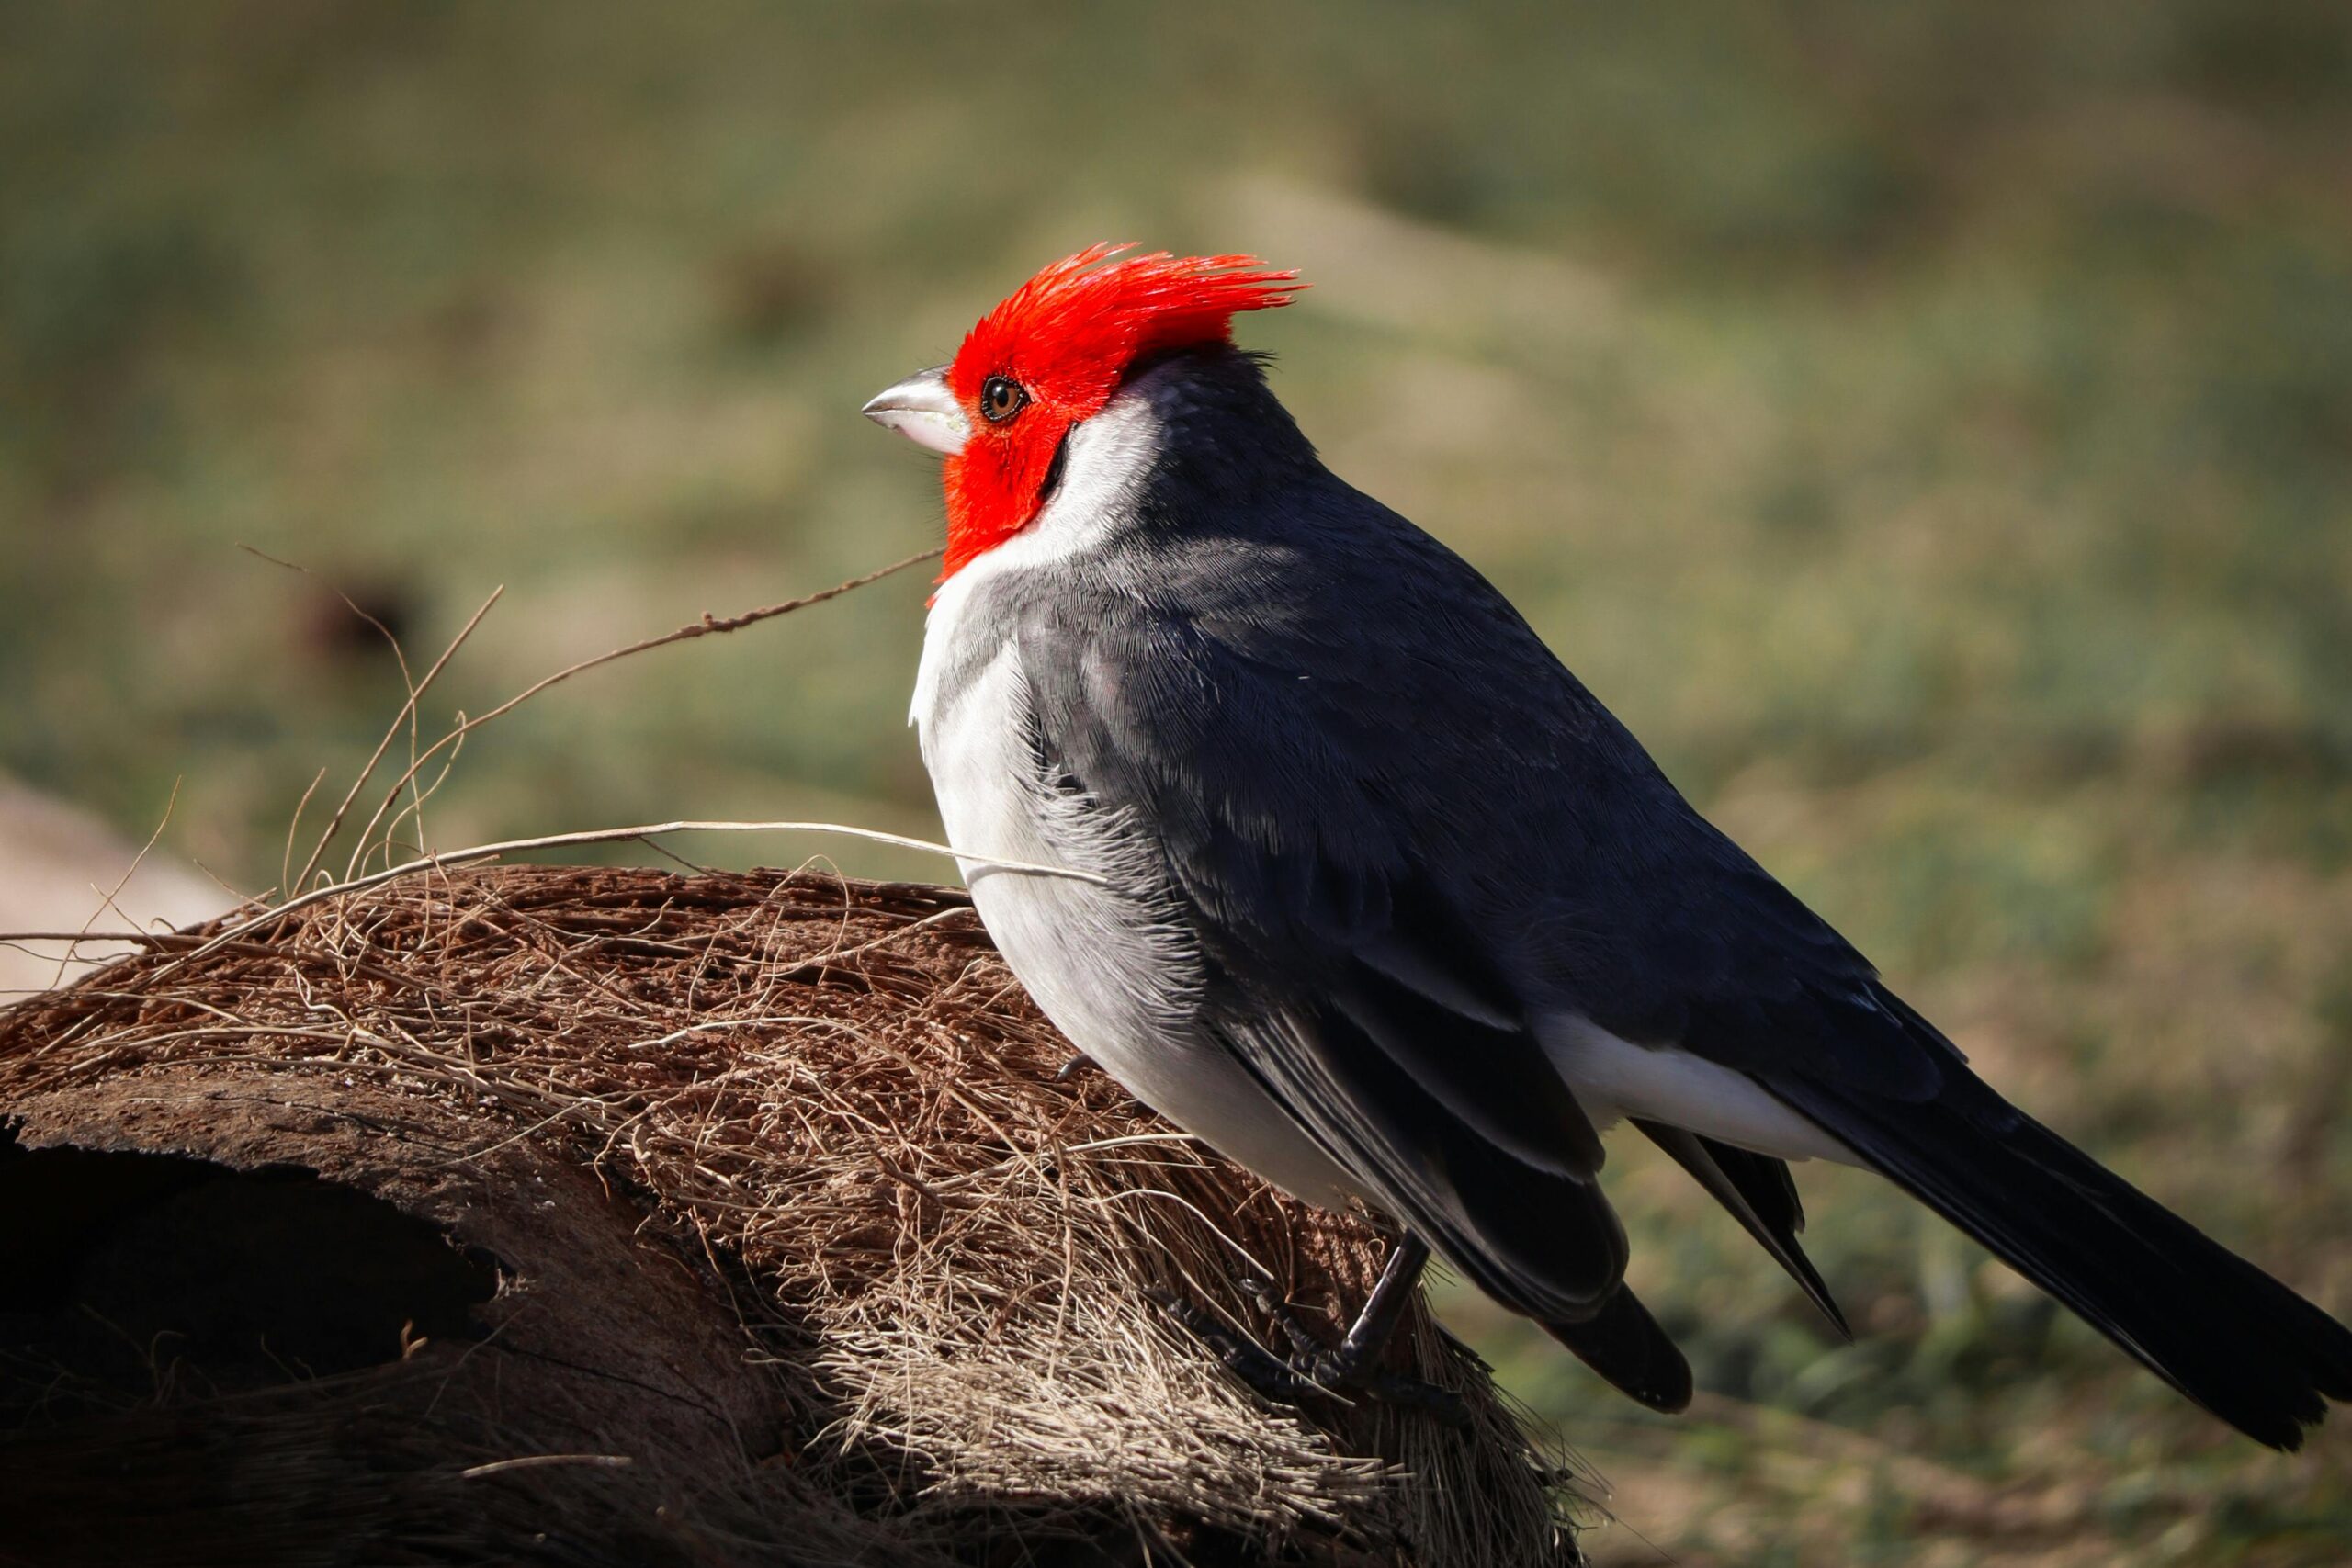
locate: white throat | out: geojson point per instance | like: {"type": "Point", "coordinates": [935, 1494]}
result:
{"type": "Point", "coordinates": [1103, 468]}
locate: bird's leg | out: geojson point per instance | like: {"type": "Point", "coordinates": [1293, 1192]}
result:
{"type": "Point", "coordinates": [1343, 1365]}
{"type": "Point", "coordinates": [1316, 1367]}
{"type": "Point", "coordinates": [1350, 1366]}
{"type": "Point", "coordinates": [1384, 1309]}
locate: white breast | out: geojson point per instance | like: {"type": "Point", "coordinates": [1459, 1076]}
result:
{"type": "Point", "coordinates": [1116, 967]}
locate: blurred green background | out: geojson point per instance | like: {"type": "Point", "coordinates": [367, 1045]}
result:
{"type": "Point", "coordinates": [1930, 426]}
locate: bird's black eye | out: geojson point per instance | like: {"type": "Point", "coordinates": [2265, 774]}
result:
{"type": "Point", "coordinates": [1002, 397]}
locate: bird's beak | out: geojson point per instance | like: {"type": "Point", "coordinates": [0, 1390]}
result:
{"type": "Point", "coordinates": [921, 408]}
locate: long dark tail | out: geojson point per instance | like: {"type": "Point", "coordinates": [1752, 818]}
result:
{"type": "Point", "coordinates": [2205, 1320]}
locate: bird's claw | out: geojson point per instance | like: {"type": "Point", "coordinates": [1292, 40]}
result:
{"type": "Point", "coordinates": [1314, 1370]}
{"type": "Point", "coordinates": [1072, 1068]}
{"type": "Point", "coordinates": [1304, 1347]}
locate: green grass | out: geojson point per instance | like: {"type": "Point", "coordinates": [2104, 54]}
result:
{"type": "Point", "coordinates": [1930, 426]}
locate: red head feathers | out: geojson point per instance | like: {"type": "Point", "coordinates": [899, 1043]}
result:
{"type": "Point", "coordinates": [1053, 353]}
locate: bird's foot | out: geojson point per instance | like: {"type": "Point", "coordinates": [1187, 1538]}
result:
{"type": "Point", "coordinates": [1315, 1369]}
{"type": "Point", "coordinates": [1074, 1066]}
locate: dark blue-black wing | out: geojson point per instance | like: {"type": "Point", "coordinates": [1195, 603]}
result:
{"type": "Point", "coordinates": [1343, 980]}
{"type": "Point", "coordinates": [1332, 718]}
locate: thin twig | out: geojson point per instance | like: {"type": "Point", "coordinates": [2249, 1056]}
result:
{"type": "Point", "coordinates": [293, 829]}
{"type": "Point", "coordinates": [107, 900]}
{"type": "Point", "coordinates": [479, 852]}
{"type": "Point", "coordinates": [406, 714]}
{"type": "Point", "coordinates": [81, 937]}
{"type": "Point", "coordinates": [525, 1461]}
{"type": "Point", "coordinates": [706, 627]}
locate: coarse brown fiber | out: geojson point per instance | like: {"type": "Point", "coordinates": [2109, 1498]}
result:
{"type": "Point", "coordinates": [831, 1103]}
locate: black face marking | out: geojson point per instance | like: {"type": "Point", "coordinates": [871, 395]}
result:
{"type": "Point", "coordinates": [1054, 470]}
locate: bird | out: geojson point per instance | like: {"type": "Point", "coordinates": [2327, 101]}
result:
{"type": "Point", "coordinates": [1287, 818]}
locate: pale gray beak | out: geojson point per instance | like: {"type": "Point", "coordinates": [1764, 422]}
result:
{"type": "Point", "coordinates": [921, 408]}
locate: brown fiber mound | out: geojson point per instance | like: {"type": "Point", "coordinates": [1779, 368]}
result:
{"type": "Point", "coordinates": [578, 1215]}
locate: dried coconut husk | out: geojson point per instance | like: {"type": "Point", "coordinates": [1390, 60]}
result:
{"type": "Point", "coordinates": [747, 1222]}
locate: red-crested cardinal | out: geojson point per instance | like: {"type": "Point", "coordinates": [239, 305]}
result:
{"type": "Point", "coordinates": [1371, 895]}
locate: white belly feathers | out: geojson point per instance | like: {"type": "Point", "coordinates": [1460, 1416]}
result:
{"type": "Point", "coordinates": [1114, 971]}
{"type": "Point", "coordinates": [1117, 970]}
